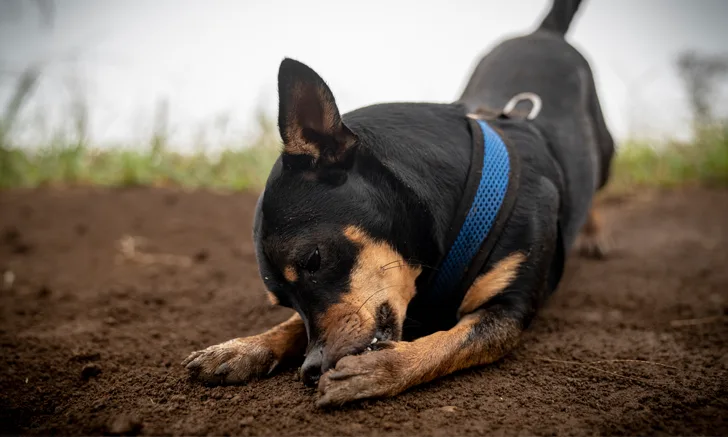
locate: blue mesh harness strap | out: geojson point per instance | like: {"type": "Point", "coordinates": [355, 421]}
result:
{"type": "Point", "coordinates": [485, 207]}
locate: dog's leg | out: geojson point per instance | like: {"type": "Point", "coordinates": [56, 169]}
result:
{"type": "Point", "coordinates": [483, 335]}
{"type": "Point", "coordinates": [241, 359]}
{"type": "Point", "coordinates": [594, 241]}
{"type": "Point", "coordinates": [479, 338]}
{"type": "Point", "coordinates": [494, 312]}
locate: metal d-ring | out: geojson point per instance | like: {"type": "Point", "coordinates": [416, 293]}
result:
{"type": "Point", "coordinates": [532, 97]}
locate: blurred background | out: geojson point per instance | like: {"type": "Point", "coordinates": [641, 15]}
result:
{"type": "Point", "coordinates": [104, 291]}
{"type": "Point", "coordinates": [184, 92]}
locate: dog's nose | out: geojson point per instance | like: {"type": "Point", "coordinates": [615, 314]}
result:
{"type": "Point", "coordinates": [311, 368]}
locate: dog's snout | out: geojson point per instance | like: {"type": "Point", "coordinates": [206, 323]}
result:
{"type": "Point", "coordinates": [328, 346]}
{"type": "Point", "coordinates": [319, 360]}
{"type": "Point", "coordinates": [311, 368]}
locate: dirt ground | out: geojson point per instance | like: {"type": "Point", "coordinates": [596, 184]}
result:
{"type": "Point", "coordinates": [96, 320]}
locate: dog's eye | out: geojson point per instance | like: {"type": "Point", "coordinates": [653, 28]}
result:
{"type": "Point", "coordinates": [314, 262]}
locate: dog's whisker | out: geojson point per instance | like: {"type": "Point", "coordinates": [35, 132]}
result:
{"type": "Point", "coordinates": [411, 261]}
{"type": "Point", "coordinates": [410, 322]}
{"type": "Point", "coordinates": [389, 263]}
{"type": "Point", "coordinates": [374, 294]}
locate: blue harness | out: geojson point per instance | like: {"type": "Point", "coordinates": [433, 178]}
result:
{"type": "Point", "coordinates": [471, 247]}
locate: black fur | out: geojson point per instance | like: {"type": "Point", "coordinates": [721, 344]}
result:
{"type": "Point", "coordinates": [543, 62]}
{"type": "Point", "coordinates": [560, 16]}
{"type": "Point", "coordinates": [307, 103]}
{"type": "Point", "coordinates": [386, 323]}
{"type": "Point", "coordinates": [403, 178]}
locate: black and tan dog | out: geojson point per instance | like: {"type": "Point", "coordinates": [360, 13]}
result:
{"type": "Point", "coordinates": [412, 239]}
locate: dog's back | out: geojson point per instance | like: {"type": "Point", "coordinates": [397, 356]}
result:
{"type": "Point", "coordinates": [545, 64]}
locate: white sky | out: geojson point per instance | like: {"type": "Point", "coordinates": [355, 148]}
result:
{"type": "Point", "coordinates": [219, 59]}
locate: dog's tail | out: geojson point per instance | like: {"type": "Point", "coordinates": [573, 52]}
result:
{"type": "Point", "coordinates": [560, 16]}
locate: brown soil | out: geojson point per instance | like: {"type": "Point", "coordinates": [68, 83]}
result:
{"type": "Point", "coordinates": [92, 336]}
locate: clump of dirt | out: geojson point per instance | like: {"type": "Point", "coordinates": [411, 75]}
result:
{"type": "Point", "coordinates": [92, 336]}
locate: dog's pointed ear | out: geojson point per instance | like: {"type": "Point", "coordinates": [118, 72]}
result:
{"type": "Point", "coordinates": [308, 118]}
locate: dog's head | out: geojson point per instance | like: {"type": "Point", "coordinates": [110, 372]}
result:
{"type": "Point", "coordinates": [322, 230]}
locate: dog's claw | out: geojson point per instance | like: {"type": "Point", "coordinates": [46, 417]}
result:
{"type": "Point", "coordinates": [338, 375]}
{"type": "Point", "coordinates": [326, 401]}
{"type": "Point", "coordinates": [222, 369]}
{"type": "Point", "coordinates": [195, 363]}
{"type": "Point", "coordinates": [273, 366]}
{"type": "Point", "coordinates": [191, 357]}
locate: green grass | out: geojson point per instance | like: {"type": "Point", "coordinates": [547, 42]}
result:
{"type": "Point", "coordinates": [239, 169]}
{"type": "Point", "coordinates": [670, 164]}
{"type": "Point", "coordinates": [637, 164]}
{"type": "Point", "coordinates": [78, 165]}
{"type": "Point", "coordinates": [63, 164]}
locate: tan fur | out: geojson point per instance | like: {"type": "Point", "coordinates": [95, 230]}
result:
{"type": "Point", "coordinates": [328, 123]}
{"type": "Point", "coordinates": [241, 359]}
{"type": "Point", "coordinates": [297, 145]}
{"type": "Point", "coordinates": [329, 112]}
{"type": "Point", "coordinates": [287, 339]}
{"type": "Point", "coordinates": [593, 225]}
{"type": "Point", "coordinates": [290, 274]}
{"type": "Point", "coordinates": [380, 275]}
{"type": "Point", "coordinates": [272, 298]}
{"type": "Point", "coordinates": [445, 352]}
{"type": "Point", "coordinates": [594, 242]}
{"type": "Point", "coordinates": [401, 365]}
{"type": "Point", "coordinates": [490, 284]}
{"type": "Point", "coordinates": [390, 371]}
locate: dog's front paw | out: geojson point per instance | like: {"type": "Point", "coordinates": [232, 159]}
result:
{"type": "Point", "coordinates": [371, 375]}
{"type": "Point", "coordinates": [232, 362]}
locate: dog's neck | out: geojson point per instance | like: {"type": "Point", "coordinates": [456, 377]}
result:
{"type": "Point", "coordinates": [425, 149]}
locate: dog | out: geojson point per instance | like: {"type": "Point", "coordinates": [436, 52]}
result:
{"type": "Point", "coordinates": [414, 240]}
